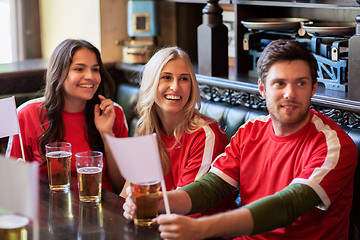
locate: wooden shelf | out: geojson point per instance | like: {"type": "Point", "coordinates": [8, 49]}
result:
{"type": "Point", "coordinates": [23, 68]}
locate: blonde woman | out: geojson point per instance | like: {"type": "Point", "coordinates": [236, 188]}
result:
{"type": "Point", "coordinates": [168, 104]}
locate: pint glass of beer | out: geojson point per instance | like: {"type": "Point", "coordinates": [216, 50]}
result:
{"type": "Point", "coordinates": [146, 197]}
{"type": "Point", "coordinates": [13, 227]}
{"type": "Point", "coordinates": [58, 156]}
{"type": "Point", "coordinates": [89, 169]}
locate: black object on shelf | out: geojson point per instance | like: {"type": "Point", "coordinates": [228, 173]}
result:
{"type": "Point", "coordinates": [213, 42]}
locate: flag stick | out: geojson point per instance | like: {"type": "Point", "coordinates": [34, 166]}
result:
{"type": "Point", "coordinates": [22, 147]}
{"type": "Point", "coordinates": [166, 200]}
{"type": "Point", "coordinates": [35, 230]}
{"type": "Point", "coordinates": [20, 138]}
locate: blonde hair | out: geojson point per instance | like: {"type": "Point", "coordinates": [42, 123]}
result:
{"type": "Point", "coordinates": [149, 121]}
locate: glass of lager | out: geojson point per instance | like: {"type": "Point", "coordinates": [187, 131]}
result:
{"type": "Point", "coordinates": [13, 227]}
{"type": "Point", "coordinates": [58, 156]}
{"type": "Point", "coordinates": [146, 197]}
{"type": "Point", "coordinates": [89, 169]}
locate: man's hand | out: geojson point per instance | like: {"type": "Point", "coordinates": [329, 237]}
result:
{"type": "Point", "coordinates": [179, 227]}
{"type": "Point", "coordinates": [232, 223]}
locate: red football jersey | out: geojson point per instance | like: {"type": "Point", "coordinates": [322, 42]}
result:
{"type": "Point", "coordinates": [320, 155]}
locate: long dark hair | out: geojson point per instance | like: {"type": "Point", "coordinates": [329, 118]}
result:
{"type": "Point", "coordinates": [51, 110]}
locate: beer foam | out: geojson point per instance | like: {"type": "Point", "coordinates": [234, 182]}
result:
{"type": "Point", "coordinates": [13, 221]}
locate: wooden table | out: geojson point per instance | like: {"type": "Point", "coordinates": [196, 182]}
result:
{"type": "Point", "coordinates": [63, 216]}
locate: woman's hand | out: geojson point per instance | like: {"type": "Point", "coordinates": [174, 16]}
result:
{"type": "Point", "coordinates": [129, 206]}
{"type": "Point", "coordinates": [104, 122]}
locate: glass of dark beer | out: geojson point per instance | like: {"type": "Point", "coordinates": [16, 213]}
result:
{"type": "Point", "coordinates": [146, 196]}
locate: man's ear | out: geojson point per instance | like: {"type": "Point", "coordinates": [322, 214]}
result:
{"type": "Point", "coordinates": [315, 86]}
{"type": "Point", "coordinates": [261, 88]}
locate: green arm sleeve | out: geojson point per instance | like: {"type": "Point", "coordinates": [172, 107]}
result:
{"type": "Point", "coordinates": [207, 192]}
{"type": "Point", "coordinates": [269, 213]}
{"type": "Point", "coordinates": [282, 208]}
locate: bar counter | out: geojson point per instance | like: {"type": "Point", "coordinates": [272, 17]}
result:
{"type": "Point", "coordinates": [63, 216]}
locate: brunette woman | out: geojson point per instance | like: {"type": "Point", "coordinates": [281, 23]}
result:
{"type": "Point", "coordinates": [76, 108]}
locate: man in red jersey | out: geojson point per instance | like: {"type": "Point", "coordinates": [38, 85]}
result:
{"type": "Point", "coordinates": [294, 167]}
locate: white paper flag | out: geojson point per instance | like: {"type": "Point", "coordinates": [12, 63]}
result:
{"type": "Point", "coordinates": [137, 158]}
{"type": "Point", "coordinates": [19, 187]}
{"type": "Point", "coordinates": [9, 124]}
